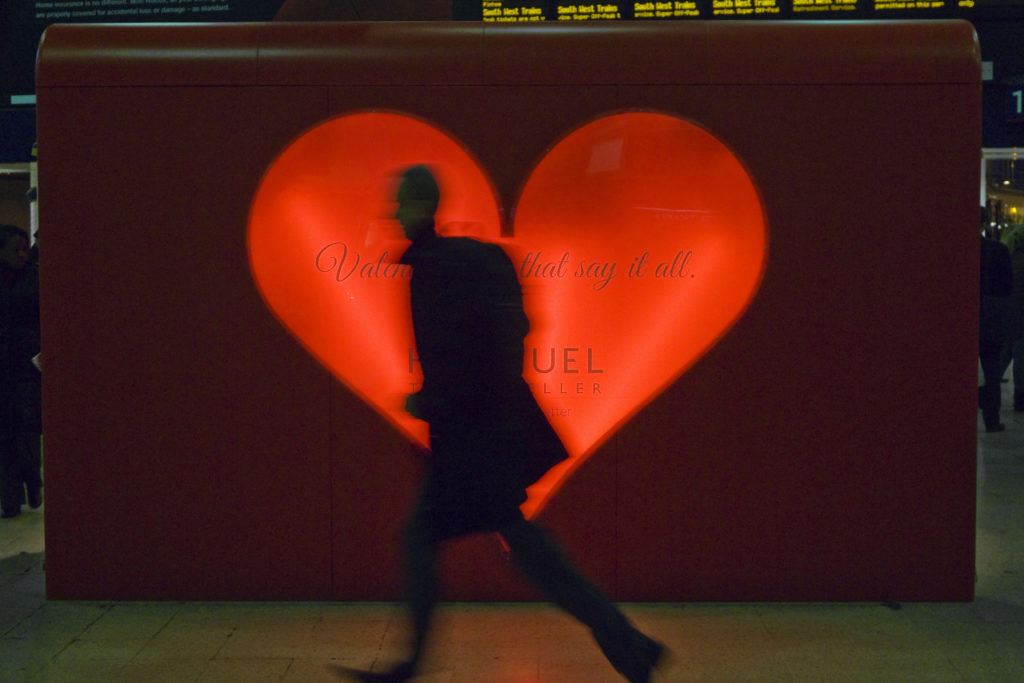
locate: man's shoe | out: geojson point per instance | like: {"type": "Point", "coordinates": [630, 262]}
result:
{"type": "Point", "coordinates": [11, 512]}
{"type": "Point", "coordinates": [633, 654]}
{"type": "Point", "coordinates": [35, 498]}
{"type": "Point", "coordinates": [652, 655]}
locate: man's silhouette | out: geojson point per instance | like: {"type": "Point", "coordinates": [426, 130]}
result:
{"type": "Point", "coordinates": [489, 439]}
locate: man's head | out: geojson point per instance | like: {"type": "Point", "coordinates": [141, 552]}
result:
{"type": "Point", "coordinates": [13, 246]}
{"type": "Point", "coordinates": [418, 196]}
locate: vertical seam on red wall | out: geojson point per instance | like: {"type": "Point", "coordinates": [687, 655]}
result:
{"type": "Point", "coordinates": [617, 481]}
{"type": "Point", "coordinates": [332, 388]}
{"type": "Point", "coordinates": [332, 549]}
{"type": "Point", "coordinates": [617, 519]}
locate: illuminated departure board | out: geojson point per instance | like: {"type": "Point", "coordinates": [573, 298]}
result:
{"type": "Point", "coordinates": [561, 10]}
{"type": "Point", "coordinates": [588, 11]}
{"type": "Point", "coordinates": [809, 8]}
{"type": "Point", "coordinates": [510, 11]}
{"type": "Point", "coordinates": [515, 11]}
{"type": "Point", "coordinates": [22, 22]}
{"type": "Point", "coordinates": [666, 10]}
{"type": "Point", "coordinates": [743, 8]}
{"type": "Point", "coordinates": [904, 5]}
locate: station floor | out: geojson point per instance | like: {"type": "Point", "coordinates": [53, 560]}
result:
{"type": "Point", "coordinates": [500, 643]}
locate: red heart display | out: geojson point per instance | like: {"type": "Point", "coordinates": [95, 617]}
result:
{"type": "Point", "coordinates": [639, 239]}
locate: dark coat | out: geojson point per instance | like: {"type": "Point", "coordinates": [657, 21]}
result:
{"type": "Point", "coordinates": [489, 439]}
{"type": "Point", "coordinates": [19, 343]}
{"type": "Point", "coordinates": [995, 315]}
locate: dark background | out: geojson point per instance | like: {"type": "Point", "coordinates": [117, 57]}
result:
{"type": "Point", "coordinates": [999, 24]}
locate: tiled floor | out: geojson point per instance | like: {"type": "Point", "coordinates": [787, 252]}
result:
{"type": "Point", "coordinates": [981, 641]}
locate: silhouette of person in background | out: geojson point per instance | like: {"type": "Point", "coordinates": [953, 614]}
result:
{"type": "Point", "coordinates": [994, 331]}
{"type": "Point", "coordinates": [489, 439]}
{"type": "Point", "coordinates": [20, 382]}
{"type": "Point", "coordinates": [1013, 350]}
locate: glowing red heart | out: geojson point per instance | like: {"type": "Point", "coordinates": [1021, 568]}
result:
{"type": "Point", "coordinates": [639, 238]}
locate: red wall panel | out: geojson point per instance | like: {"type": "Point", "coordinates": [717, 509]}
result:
{"type": "Point", "coordinates": [195, 451]}
{"type": "Point", "coordinates": [180, 477]}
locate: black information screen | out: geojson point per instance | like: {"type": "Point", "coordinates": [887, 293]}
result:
{"type": "Point", "coordinates": [22, 23]}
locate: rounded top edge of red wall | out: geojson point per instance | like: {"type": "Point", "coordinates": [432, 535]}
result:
{"type": "Point", "coordinates": [471, 53]}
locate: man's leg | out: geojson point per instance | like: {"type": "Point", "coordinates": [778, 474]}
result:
{"type": "Point", "coordinates": [543, 563]}
{"type": "Point", "coordinates": [29, 466]}
{"type": "Point", "coordinates": [1018, 373]}
{"type": "Point", "coordinates": [989, 398]}
{"type": "Point", "coordinates": [12, 491]}
{"type": "Point", "coordinates": [420, 549]}
{"type": "Point", "coordinates": [421, 582]}
{"type": "Point", "coordinates": [27, 428]}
